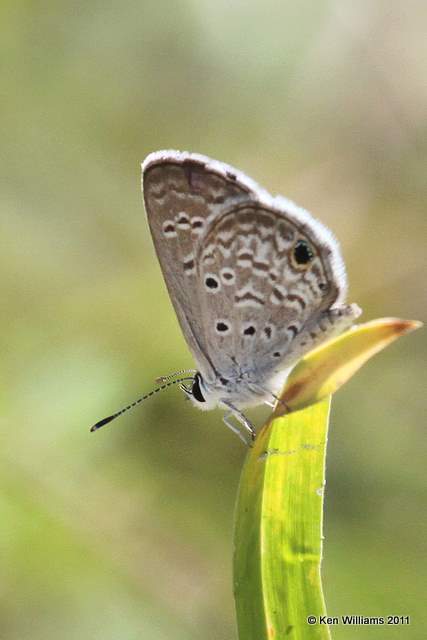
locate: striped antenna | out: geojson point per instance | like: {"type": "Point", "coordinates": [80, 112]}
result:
{"type": "Point", "coordinates": [104, 421]}
{"type": "Point", "coordinates": [161, 379]}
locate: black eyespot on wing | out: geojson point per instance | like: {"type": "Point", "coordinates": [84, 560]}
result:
{"type": "Point", "coordinates": [293, 329]}
{"type": "Point", "coordinates": [302, 253]}
{"type": "Point", "coordinates": [249, 331]}
{"type": "Point", "coordinates": [221, 326]}
{"type": "Point", "coordinates": [211, 283]}
{"type": "Point", "coordinates": [277, 354]}
{"type": "Point", "coordinates": [188, 265]}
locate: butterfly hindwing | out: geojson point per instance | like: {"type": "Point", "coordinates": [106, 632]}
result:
{"type": "Point", "coordinates": [262, 275]}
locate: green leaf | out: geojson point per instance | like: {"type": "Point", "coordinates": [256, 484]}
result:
{"type": "Point", "coordinates": [278, 529]}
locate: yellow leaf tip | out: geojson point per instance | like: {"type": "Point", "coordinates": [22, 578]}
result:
{"type": "Point", "coordinates": [325, 369]}
{"type": "Point", "coordinates": [401, 326]}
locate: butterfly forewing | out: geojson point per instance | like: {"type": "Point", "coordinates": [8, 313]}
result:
{"type": "Point", "coordinates": [183, 195]}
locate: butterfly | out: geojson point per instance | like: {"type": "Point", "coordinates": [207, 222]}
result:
{"type": "Point", "coordinates": [255, 280]}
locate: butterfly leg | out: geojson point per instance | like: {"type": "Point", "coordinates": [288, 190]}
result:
{"type": "Point", "coordinates": [233, 411]}
{"type": "Point", "coordinates": [269, 404]}
{"type": "Point", "coordinates": [227, 421]}
{"type": "Point", "coordinates": [267, 392]}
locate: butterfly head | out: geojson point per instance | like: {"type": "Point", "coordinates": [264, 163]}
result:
{"type": "Point", "coordinates": [199, 394]}
{"type": "Point", "coordinates": [196, 391]}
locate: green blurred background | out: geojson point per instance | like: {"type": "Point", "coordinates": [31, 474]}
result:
{"type": "Point", "coordinates": [128, 533]}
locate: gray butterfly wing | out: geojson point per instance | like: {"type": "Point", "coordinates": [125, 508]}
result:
{"type": "Point", "coordinates": [183, 194]}
{"type": "Point", "coordinates": [267, 270]}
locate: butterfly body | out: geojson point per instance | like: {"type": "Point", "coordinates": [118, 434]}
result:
{"type": "Point", "coordinates": [242, 389]}
{"type": "Point", "coordinates": [255, 281]}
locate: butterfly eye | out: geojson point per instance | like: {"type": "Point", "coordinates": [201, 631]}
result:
{"type": "Point", "coordinates": [302, 254]}
{"type": "Point", "coordinates": [196, 390]}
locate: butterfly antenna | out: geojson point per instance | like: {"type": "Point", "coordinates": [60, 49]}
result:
{"type": "Point", "coordinates": [104, 421]}
{"type": "Point", "coordinates": [161, 379]}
